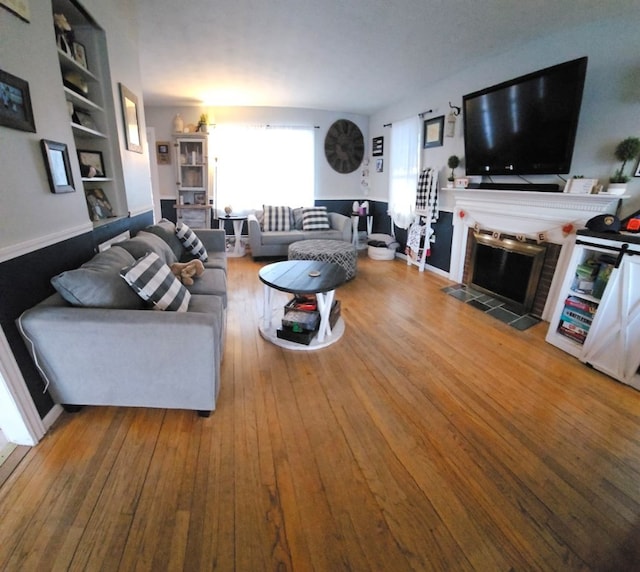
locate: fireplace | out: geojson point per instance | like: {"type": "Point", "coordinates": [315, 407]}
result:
{"type": "Point", "coordinates": [540, 219]}
{"type": "Point", "coordinates": [506, 268]}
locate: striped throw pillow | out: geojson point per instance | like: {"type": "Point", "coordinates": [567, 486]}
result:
{"type": "Point", "coordinates": [315, 218]}
{"type": "Point", "coordinates": [191, 242]}
{"type": "Point", "coordinates": [153, 281]}
{"type": "Point", "coordinates": [276, 218]}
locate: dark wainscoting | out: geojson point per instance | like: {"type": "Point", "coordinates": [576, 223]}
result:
{"type": "Point", "coordinates": [25, 281]}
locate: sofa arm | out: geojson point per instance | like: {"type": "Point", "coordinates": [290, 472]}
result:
{"type": "Point", "coordinates": [145, 358]}
{"type": "Point", "coordinates": [213, 239]}
{"type": "Point", "coordinates": [255, 233]}
{"type": "Point", "coordinates": [342, 223]}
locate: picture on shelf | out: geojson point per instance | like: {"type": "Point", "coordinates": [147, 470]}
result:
{"type": "Point", "coordinates": [98, 204]}
{"type": "Point", "coordinates": [91, 164]}
{"type": "Point", "coordinates": [199, 199]}
{"type": "Point", "coordinates": [79, 54]}
{"type": "Point", "coordinates": [84, 119]}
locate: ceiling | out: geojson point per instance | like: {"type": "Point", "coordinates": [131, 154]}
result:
{"type": "Point", "coordinates": [355, 56]}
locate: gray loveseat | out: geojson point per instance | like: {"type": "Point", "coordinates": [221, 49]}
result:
{"type": "Point", "coordinates": [107, 347]}
{"type": "Point", "coordinates": [276, 243]}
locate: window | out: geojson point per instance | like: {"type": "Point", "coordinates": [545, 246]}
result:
{"type": "Point", "coordinates": [403, 170]}
{"type": "Point", "coordinates": [258, 165]}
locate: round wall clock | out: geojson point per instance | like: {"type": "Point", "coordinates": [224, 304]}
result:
{"type": "Point", "coordinates": [344, 146]}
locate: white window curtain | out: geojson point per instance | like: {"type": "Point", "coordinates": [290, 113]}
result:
{"type": "Point", "coordinates": [404, 166]}
{"type": "Point", "coordinates": [257, 165]}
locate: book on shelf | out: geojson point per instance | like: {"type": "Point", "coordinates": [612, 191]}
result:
{"type": "Point", "coordinates": [572, 331]}
{"type": "Point", "coordinates": [580, 304]}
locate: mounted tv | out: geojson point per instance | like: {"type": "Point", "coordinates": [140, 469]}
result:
{"type": "Point", "coordinates": [525, 126]}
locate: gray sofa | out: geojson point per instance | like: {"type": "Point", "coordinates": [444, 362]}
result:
{"type": "Point", "coordinates": [276, 243]}
{"type": "Point", "coordinates": [96, 342]}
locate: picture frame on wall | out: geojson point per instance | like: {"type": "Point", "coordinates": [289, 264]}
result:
{"type": "Point", "coordinates": [433, 132]}
{"type": "Point", "coordinates": [379, 165]}
{"type": "Point", "coordinates": [91, 164]}
{"type": "Point", "coordinates": [56, 160]}
{"type": "Point", "coordinates": [15, 103]}
{"type": "Point", "coordinates": [163, 152]}
{"type": "Point", "coordinates": [129, 104]}
{"type": "Point", "coordinates": [377, 146]}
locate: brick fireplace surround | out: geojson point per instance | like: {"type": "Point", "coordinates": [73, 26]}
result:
{"type": "Point", "coordinates": [530, 214]}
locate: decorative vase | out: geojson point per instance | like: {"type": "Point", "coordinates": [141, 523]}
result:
{"type": "Point", "coordinates": [617, 188]}
{"type": "Point", "coordinates": [178, 124]}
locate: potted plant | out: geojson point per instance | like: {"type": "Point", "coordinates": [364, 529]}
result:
{"type": "Point", "coordinates": [626, 150]}
{"type": "Point", "coordinates": [453, 163]}
{"type": "Point", "coordinates": [202, 124]}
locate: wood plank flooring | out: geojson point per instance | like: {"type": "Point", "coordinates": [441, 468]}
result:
{"type": "Point", "coordinates": [430, 437]}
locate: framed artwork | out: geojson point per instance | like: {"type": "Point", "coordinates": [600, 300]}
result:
{"type": "Point", "coordinates": [433, 131]}
{"type": "Point", "coordinates": [199, 199]}
{"type": "Point", "coordinates": [15, 103]}
{"type": "Point", "coordinates": [83, 118]}
{"type": "Point", "coordinates": [130, 115]}
{"type": "Point", "coordinates": [580, 186]}
{"type": "Point", "coordinates": [91, 164]}
{"type": "Point", "coordinates": [56, 160]}
{"type": "Point", "coordinates": [379, 165]}
{"type": "Point", "coordinates": [98, 204]}
{"type": "Point", "coordinates": [163, 152]}
{"type": "Point", "coordinates": [79, 54]}
{"type": "Point", "coordinates": [461, 182]}
{"type": "Point", "coordinates": [19, 7]}
{"type": "Point", "coordinates": [377, 147]}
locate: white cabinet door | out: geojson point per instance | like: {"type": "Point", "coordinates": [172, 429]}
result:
{"type": "Point", "coordinates": [613, 344]}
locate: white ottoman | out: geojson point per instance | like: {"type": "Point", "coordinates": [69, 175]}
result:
{"type": "Point", "coordinates": [337, 251]}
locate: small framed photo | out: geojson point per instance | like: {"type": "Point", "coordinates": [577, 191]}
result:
{"type": "Point", "coordinates": [83, 118]}
{"type": "Point", "coordinates": [19, 7]}
{"type": "Point", "coordinates": [15, 103]}
{"type": "Point", "coordinates": [56, 160]}
{"type": "Point", "coordinates": [129, 104]}
{"type": "Point", "coordinates": [433, 132]}
{"type": "Point", "coordinates": [79, 54]}
{"type": "Point", "coordinates": [98, 204]}
{"type": "Point", "coordinates": [163, 152]}
{"type": "Point", "coordinates": [91, 164]}
{"type": "Point", "coordinates": [461, 182]}
{"type": "Point", "coordinates": [377, 146]}
{"type": "Point", "coordinates": [199, 199]}
{"type": "Point", "coordinates": [580, 186]}
{"type": "Point", "coordinates": [379, 165]}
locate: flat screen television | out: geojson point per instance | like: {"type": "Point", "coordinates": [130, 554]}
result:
{"type": "Point", "coordinates": [525, 126]}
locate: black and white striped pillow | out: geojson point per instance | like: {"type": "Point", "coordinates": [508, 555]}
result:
{"type": "Point", "coordinates": [276, 218]}
{"type": "Point", "coordinates": [153, 281]}
{"type": "Point", "coordinates": [191, 242]}
{"type": "Point", "coordinates": [315, 218]}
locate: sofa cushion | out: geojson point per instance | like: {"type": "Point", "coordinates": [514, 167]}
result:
{"type": "Point", "coordinates": [276, 218]}
{"type": "Point", "coordinates": [212, 282]}
{"type": "Point", "coordinates": [145, 242]}
{"type": "Point", "coordinates": [191, 242]}
{"type": "Point", "coordinates": [297, 218]}
{"type": "Point", "coordinates": [166, 230]}
{"type": "Point", "coordinates": [97, 283]}
{"type": "Point", "coordinates": [315, 218]}
{"type": "Point", "coordinates": [153, 281]}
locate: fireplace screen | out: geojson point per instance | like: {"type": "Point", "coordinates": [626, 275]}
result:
{"type": "Point", "coordinates": [507, 269]}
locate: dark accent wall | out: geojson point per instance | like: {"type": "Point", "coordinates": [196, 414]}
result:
{"type": "Point", "coordinates": [25, 281]}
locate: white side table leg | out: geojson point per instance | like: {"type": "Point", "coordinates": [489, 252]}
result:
{"type": "Point", "coordinates": [325, 301]}
{"type": "Point", "coordinates": [237, 232]}
{"type": "Point", "coordinates": [267, 310]}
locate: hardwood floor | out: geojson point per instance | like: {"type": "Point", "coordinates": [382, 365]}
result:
{"type": "Point", "coordinates": [430, 437]}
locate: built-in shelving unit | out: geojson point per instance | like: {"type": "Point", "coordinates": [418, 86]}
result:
{"type": "Point", "coordinates": [87, 87]}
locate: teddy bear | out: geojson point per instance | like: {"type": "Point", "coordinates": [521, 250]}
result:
{"type": "Point", "coordinates": [185, 271]}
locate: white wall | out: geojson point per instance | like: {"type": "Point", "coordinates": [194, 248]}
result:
{"type": "Point", "coordinates": [610, 106]}
{"type": "Point", "coordinates": [329, 184]}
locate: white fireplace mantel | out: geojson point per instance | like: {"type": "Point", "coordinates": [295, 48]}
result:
{"type": "Point", "coordinates": [523, 213]}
